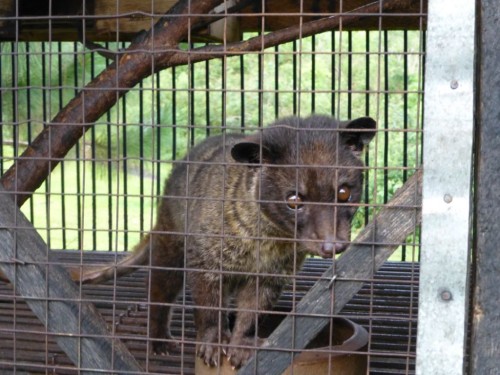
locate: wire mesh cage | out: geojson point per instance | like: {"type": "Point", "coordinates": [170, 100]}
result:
{"type": "Point", "coordinates": [104, 101]}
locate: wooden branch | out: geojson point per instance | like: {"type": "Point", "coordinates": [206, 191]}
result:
{"type": "Point", "coordinates": [53, 143]}
{"type": "Point", "coordinates": [158, 50]}
{"type": "Point", "coordinates": [78, 328]}
{"type": "Point", "coordinates": [288, 34]}
{"type": "Point", "coordinates": [362, 259]}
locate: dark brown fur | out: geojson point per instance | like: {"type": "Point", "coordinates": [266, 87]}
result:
{"type": "Point", "coordinates": [223, 215]}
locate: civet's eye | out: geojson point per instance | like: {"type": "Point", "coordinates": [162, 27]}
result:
{"type": "Point", "coordinates": [343, 194]}
{"type": "Point", "coordinates": [294, 201]}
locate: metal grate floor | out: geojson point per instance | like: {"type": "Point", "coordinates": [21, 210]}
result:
{"type": "Point", "coordinates": [386, 307]}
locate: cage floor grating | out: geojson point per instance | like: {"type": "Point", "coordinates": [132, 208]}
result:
{"type": "Point", "coordinates": [386, 307]}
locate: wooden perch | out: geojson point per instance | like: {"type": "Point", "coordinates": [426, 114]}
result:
{"type": "Point", "coordinates": [288, 34]}
{"type": "Point", "coordinates": [158, 50]}
{"type": "Point", "coordinates": [362, 259]}
{"type": "Point", "coordinates": [78, 328]}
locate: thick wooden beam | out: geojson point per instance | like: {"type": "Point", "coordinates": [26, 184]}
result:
{"type": "Point", "coordinates": [279, 14]}
{"type": "Point", "coordinates": [109, 20]}
{"type": "Point", "coordinates": [78, 328]}
{"type": "Point", "coordinates": [485, 342]}
{"type": "Point", "coordinates": [362, 259]}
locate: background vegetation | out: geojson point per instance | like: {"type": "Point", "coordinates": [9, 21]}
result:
{"type": "Point", "coordinates": [102, 197]}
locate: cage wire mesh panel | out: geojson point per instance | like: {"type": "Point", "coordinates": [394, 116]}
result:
{"type": "Point", "coordinates": [239, 68]}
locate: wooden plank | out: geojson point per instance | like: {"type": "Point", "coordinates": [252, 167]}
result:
{"type": "Point", "coordinates": [127, 17]}
{"type": "Point", "coordinates": [54, 298]}
{"type": "Point", "coordinates": [130, 17]}
{"type": "Point", "coordinates": [362, 259]}
{"type": "Point", "coordinates": [279, 14]}
{"type": "Point", "coordinates": [485, 342]}
{"type": "Point", "coordinates": [7, 26]}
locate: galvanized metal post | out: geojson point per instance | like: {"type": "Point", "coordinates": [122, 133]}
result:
{"type": "Point", "coordinates": [448, 139]}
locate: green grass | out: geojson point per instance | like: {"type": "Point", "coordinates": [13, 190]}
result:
{"type": "Point", "coordinates": [93, 216]}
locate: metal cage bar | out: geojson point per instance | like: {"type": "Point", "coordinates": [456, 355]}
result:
{"type": "Point", "coordinates": [448, 140]}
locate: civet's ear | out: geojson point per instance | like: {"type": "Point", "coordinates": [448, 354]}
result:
{"type": "Point", "coordinates": [358, 133]}
{"type": "Point", "coordinates": [249, 152]}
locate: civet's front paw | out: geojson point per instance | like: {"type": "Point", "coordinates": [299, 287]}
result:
{"type": "Point", "coordinates": [211, 347]}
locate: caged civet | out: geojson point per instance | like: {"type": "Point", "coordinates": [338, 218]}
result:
{"type": "Point", "coordinates": [240, 209]}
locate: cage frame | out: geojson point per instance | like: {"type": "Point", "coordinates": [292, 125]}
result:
{"type": "Point", "coordinates": [446, 197]}
{"type": "Point", "coordinates": [459, 299]}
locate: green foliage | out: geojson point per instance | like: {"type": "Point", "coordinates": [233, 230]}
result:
{"type": "Point", "coordinates": [129, 148]}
